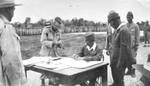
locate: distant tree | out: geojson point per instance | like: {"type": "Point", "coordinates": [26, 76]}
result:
{"type": "Point", "coordinates": [67, 23]}
{"type": "Point", "coordinates": [81, 22]}
{"type": "Point", "coordinates": [41, 22]}
{"type": "Point", "coordinates": [27, 23]}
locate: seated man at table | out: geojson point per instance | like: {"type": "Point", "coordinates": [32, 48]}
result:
{"type": "Point", "coordinates": [89, 52]}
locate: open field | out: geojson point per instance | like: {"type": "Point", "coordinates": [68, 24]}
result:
{"type": "Point", "coordinates": [30, 45]}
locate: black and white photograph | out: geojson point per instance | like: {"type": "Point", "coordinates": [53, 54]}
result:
{"type": "Point", "coordinates": [74, 42]}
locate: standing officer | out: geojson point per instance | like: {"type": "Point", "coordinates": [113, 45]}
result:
{"type": "Point", "coordinates": [51, 40]}
{"type": "Point", "coordinates": [121, 48]}
{"type": "Point", "coordinates": [135, 38]}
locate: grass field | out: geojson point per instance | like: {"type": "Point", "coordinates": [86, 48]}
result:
{"type": "Point", "coordinates": [30, 45]}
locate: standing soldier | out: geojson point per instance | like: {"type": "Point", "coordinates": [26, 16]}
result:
{"type": "Point", "coordinates": [146, 29]}
{"type": "Point", "coordinates": [135, 38]}
{"type": "Point", "coordinates": [121, 48]}
{"type": "Point", "coordinates": [12, 71]}
{"type": "Point", "coordinates": [51, 40]}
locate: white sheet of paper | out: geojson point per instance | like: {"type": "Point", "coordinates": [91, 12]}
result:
{"type": "Point", "coordinates": [59, 63]}
{"type": "Point", "coordinates": [52, 65]}
{"type": "Point", "coordinates": [34, 60]}
{"type": "Point", "coordinates": [77, 63]}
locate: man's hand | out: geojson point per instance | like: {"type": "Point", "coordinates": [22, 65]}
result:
{"type": "Point", "coordinates": [75, 56]}
{"type": "Point", "coordinates": [60, 45]}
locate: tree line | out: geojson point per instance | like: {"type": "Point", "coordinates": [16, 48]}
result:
{"type": "Point", "coordinates": [73, 25]}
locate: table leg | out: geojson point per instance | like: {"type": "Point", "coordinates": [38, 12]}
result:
{"type": "Point", "coordinates": [104, 77]}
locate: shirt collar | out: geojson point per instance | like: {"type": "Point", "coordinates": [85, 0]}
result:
{"type": "Point", "coordinates": [120, 26]}
{"type": "Point", "coordinates": [93, 47]}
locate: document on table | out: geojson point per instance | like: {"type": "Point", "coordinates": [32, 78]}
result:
{"type": "Point", "coordinates": [34, 60]}
{"type": "Point", "coordinates": [52, 65]}
{"type": "Point", "coordinates": [78, 63]}
{"type": "Point", "coordinates": [62, 63]}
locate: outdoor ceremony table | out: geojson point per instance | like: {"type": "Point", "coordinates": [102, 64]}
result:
{"type": "Point", "coordinates": [72, 76]}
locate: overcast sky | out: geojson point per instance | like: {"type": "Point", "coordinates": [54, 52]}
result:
{"type": "Point", "coordinates": [96, 10]}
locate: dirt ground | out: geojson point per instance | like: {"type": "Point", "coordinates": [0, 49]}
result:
{"type": "Point", "coordinates": [30, 46]}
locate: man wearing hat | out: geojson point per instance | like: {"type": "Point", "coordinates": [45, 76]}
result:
{"type": "Point", "coordinates": [146, 30]}
{"type": "Point", "coordinates": [121, 48]}
{"type": "Point", "coordinates": [89, 52]}
{"type": "Point", "coordinates": [51, 37]}
{"type": "Point", "coordinates": [135, 38]}
{"type": "Point", "coordinates": [11, 67]}
{"type": "Point", "coordinates": [51, 40]}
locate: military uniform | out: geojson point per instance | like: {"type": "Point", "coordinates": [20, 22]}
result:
{"type": "Point", "coordinates": [48, 39]}
{"type": "Point", "coordinates": [121, 53]}
{"type": "Point", "coordinates": [135, 37]}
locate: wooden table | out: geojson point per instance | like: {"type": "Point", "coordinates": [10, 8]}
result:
{"type": "Point", "coordinates": [73, 76]}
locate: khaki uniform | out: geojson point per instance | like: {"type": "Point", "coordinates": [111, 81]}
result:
{"type": "Point", "coordinates": [135, 37]}
{"type": "Point", "coordinates": [12, 71]}
{"type": "Point", "coordinates": [146, 34]}
{"type": "Point", "coordinates": [48, 38]}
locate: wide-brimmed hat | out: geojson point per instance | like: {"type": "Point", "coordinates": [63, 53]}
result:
{"type": "Point", "coordinates": [8, 3]}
